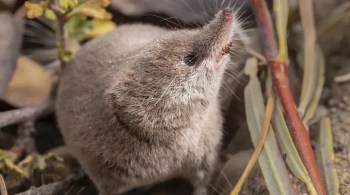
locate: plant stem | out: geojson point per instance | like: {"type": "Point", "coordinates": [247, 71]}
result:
{"type": "Point", "coordinates": [281, 83]}
{"type": "Point", "coordinates": [307, 20]}
{"type": "Point", "coordinates": [297, 127]}
{"type": "Point", "coordinates": [60, 37]}
{"type": "Point", "coordinates": [23, 114]}
{"type": "Point", "coordinates": [265, 129]}
{"type": "Point", "coordinates": [266, 28]}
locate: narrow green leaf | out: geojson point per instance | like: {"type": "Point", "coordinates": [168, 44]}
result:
{"type": "Point", "coordinates": [287, 146]}
{"type": "Point", "coordinates": [308, 49]}
{"type": "Point", "coordinates": [50, 14]}
{"type": "Point", "coordinates": [313, 82]}
{"type": "Point", "coordinates": [271, 162]}
{"type": "Point", "coordinates": [319, 75]}
{"type": "Point", "coordinates": [313, 63]}
{"type": "Point", "coordinates": [286, 143]}
{"type": "Point", "coordinates": [325, 157]}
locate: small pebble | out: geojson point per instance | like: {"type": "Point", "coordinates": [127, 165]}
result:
{"type": "Point", "coordinates": [342, 105]}
{"type": "Point", "coordinates": [332, 102]}
{"type": "Point", "coordinates": [333, 110]}
{"type": "Point", "coordinates": [346, 99]}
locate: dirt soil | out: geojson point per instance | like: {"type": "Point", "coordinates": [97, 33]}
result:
{"type": "Point", "coordinates": [338, 100]}
{"type": "Point", "coordinates": [339, 107]}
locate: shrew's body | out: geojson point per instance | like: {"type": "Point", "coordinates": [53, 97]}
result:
{"type": "Point", "coordinates": [140, 105]}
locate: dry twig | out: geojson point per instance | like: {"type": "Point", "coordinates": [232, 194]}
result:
{"type": "Point", "coordinates": [268, 113]}
{"type": "Point", "coordinates": [342, 78]}
{"type": "Point", "coordinates": [24, 114]}
{"type": "Point", "coordinates": [2, 186]}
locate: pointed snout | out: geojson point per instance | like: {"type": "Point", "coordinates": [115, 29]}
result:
{"type": "Point", "coordinates": [219, 34]}
{"type": "Point", "coordinates": [220, 29]}
{"type": "Point", "coordinates": [227, 14]}
{"type": "Point", "coordinates": [222, 23]}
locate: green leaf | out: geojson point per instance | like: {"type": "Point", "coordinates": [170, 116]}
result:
{"type": "Point", "coordinates": [318, 73]}
{"type": "Point", "coordinates": [13, 175]}
{"type": "Point", "coordinates": [313, 81]}
{"type": "Point", "coordinates": [78, 26]}
{"type": "Point", "coordinates": [288, 148]}
{"type": "Point", "coordinates": [325, 157]}
{"type": "Point", "coordinates": [49, 14]}
{"type": "Point", "coordinates": [313, 63]}
{"type": "Point", "coordinates": [67, 56]}
{"type": "Point", "coordinates": [99, 27]}
{"type": "Point", "coordinates": [271, 162]}
{"type": "Point", "coordinates": [92, 8]}
{"type": "Point", "coordinates": [286, 143]}
{"type": "Point", "coordinates": [8, 155]}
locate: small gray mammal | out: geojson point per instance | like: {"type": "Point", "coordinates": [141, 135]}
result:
{"type": "Point", "coordinates": [140, 105]}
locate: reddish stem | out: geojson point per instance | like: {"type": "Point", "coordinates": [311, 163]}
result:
{"type": "Point", "coordinates": [266, 28]}
{"type": "Point", "coordinates": [281, 83]}
{"type": "Point", "coordinates": [295, 124]}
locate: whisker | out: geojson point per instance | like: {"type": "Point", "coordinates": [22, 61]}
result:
{"type": "Point", "coordinates": [81, 190]}
{"type": "Point", "coordinates": [225, 177]}
{"type": "Point", "coordinates": [230, 90]}
{"type": "Point", "coordinates": [166, 20]}
{"type": "Point", "coordinates": [217, 191]}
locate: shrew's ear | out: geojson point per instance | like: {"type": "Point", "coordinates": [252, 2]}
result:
{"type": "Point", "coordinates": [115, 110]}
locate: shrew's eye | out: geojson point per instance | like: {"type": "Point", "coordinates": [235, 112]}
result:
{"type": "Point", "coordinates": [191, 59]}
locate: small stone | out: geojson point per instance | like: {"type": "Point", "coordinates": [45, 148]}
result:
{"type": "Point", "coordinates": [342, 105]}
{"type": "Point", "coordinates": [332, 102]}
{"type": "Point", "coordinates": [333, 110]}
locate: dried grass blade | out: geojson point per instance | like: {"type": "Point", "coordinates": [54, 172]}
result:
{"type": "Point", "coordinates": [271, 162]}
{"type": "Point", "coordinates": [2, 186]}
{"type": "Point", "coordinates": [259, 146]}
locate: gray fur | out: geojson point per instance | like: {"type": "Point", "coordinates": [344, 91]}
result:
{"type": "Point", "coordinates": [133, 114]}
